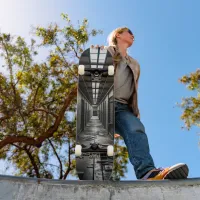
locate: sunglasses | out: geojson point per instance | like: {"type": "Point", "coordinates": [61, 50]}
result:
{"type": "Point", "coordinates": [130, 32]}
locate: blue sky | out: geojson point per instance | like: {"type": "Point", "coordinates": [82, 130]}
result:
{"type": "Point", "coordinates": [167, 46]}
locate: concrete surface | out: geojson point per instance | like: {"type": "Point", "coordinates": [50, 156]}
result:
{"type": "Point", "coordinates": [18, 188]}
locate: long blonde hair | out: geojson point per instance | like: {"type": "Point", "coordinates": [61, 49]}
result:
{"type": "Point", "coordinates": [112, 41]}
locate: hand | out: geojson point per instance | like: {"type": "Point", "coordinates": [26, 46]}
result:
{"type": "Point", "coordinates": [116, 135]}
{"type": "Point", "coordinates": [102, 47]}
{"type": "Point", "coordinates": [97, 46]}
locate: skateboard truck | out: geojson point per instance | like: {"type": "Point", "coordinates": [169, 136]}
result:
{"type": "Point", "coordinates": [96, 71]}
{"type": "Point", "coordinates": [94, 148]}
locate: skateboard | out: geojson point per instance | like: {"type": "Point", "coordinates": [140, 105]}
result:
{"type": "Point", "coordinates": [95, 115]}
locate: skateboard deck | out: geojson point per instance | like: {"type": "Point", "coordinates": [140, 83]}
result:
{"type": "Point", "coordinates": [95, 115]}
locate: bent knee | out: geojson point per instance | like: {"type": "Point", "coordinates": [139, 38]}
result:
{"type": "Point", "coordinates": [137, 126]}
{"type": "Point", "coordinates": [129, 123]}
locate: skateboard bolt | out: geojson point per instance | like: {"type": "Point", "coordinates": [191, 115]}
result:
{"type": "Point", "coordinates": [94, 146]}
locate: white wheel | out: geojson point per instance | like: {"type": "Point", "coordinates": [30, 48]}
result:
{"type": "Point", "coordinates": [110, 150]}
{"type": "Point", "coordinates": [81, 69]}
{"type": "Point", "coordinates": [78, 149]}
{"type": "Point", "coordinates": [110, 70]}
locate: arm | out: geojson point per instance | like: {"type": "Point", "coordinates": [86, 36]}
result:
{"type": "Point", "coordinates": [137, 83]}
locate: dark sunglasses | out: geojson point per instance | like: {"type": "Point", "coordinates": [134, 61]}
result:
{"type": "Point", "coordinates": [130, 32]}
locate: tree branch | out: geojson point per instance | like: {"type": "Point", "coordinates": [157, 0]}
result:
{"type": "Point", "coordinates": [34, 99]}
{"type": "Point", "coordinates": [31, 159]}
{"type": "Point", "coordinates": [9, 61]}
{"type": "Point", "coordinates": [23, 139]}
{"type": "Point", "coordinates": [75, 52]}
{"type": "Point", "coordinates": [3, 118]}
{"type": "Point", "coordinates": [43, 110]}
{"type": "Point", "coordinates": [54, 150]}
{"type": "Point", "coordinates": [65, 60]}
{"type": "Point", "coordinates": [51, 165]}
{"type": "Point", "coordinates": [52, 129]}
{"type": "Point", "coordinates": [49, 133]}
{"type": "Point", "coordinates": [33, 163]}
{"type": "Point", "coordinates": [69, 162]}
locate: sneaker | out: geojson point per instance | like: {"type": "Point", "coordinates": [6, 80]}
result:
{"type": "Point", "coordinates": [178, 171]}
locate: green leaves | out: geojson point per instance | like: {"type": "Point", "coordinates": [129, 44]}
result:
{"type": "Point", "coordinates": [120, 160]}
{"type": "Point", "coordinates": [191, 105]}
{"type": "Point", "coordinates": [48, 35]}
{"type": "Point", "coordinates": [34, 99]}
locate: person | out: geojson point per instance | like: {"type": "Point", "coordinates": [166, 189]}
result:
{"type": "Point", "coordinates": [127, 116]}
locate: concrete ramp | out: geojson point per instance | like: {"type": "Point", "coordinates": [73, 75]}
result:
{"type": "Point", "coordinates": [18, 188]}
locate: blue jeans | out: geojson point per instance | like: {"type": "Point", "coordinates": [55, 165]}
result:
{"type": "Point", "coordinates": [133, 132]}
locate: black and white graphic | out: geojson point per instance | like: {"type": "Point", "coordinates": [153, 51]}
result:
{"type": "Point", "coordinates": [95, 115]}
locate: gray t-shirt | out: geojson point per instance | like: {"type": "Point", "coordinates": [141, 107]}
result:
{"type": "Point", "coordinates": [123, 82]}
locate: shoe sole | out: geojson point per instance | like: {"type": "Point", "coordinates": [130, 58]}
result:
{"type": "Point", "coordinates": [179, 171]}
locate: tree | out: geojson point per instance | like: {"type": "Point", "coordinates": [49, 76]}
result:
{"type": "Point", "coordinates": [191, 105]}
{"type": "Point", "coordinates": [120, 160]}
{"type": "Point", "coordinates": [35, 98]}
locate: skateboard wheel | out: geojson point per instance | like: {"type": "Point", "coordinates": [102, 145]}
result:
{"type": "Point", "coordinates": [78, 149]}
{"type": "Point", "coordinates": [81, 69]}
{"type": "Point", "coordinates": [110, 70]}
{"type": "Point", "coordinates": [110, 150]}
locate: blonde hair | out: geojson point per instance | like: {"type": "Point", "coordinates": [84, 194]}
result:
{"type": "Point", "coordinates": [112, 41]}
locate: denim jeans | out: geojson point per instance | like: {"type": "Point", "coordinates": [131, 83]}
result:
{"type": "Point", "coordinates": [133, 132]}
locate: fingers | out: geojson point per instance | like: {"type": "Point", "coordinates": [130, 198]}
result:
{"type": "Point", "coordinates": [97, 46]}
{"type": "Point", "coordinates": [102, 47]}
{"type": "Point", "coordinates": [116, 135]}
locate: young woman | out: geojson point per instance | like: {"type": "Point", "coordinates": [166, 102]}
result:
{"type": "Point", "coordinates": [127, 116]}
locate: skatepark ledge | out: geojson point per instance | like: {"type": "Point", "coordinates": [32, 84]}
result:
{"type": "Point", "coordinates": [21, 188]}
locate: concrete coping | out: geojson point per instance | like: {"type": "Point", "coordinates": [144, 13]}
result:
{"type": "Point", "coordinates": [136, 183]}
